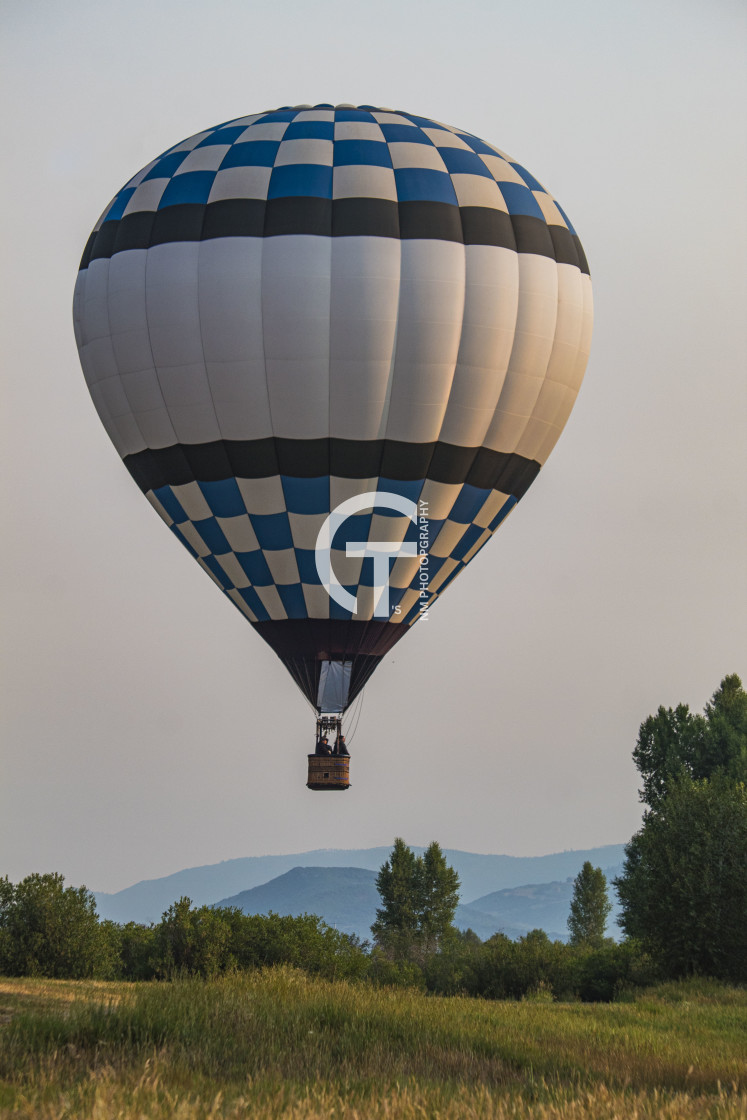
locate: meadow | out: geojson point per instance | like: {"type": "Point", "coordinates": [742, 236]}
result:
{"type": "Point", "coordinates": [279, 1043]}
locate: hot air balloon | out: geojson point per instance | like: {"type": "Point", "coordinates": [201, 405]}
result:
{"type": "Point", "coordinates": [334, 346]}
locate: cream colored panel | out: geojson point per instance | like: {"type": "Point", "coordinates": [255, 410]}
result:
{"type": "Point", "coordinates": [492, 507]}
{"type": "Point", "coordinates": [358, 130]}
{"type": "Point", "coordinates": [446, 139]}
{"type": "Point", "coordinates": [304, 151]}
{"type": "Point", "coordinates": [501, 171]}
{"type": "Point", "coordinates": [191, 535]}
{"type": "Point", "coordinates": [416, 155]}
{"type": "Point", "coordinates": [272, 602]}
{"type": "Point", "coordinates": [488, 335]}
{"type": "Point", "coordinates": [317, 600]}
{"type": "Point", "coordinates": [392, 528]}
{"type": "Point", "coordinates": [305, 528]}
{"type": "Point", "coordinates": [404, 570]}
{"type": "Point", "coordinates": [262, 495]}
{"type": "Point", "coordinates": [346, 568]}
{"type": "Point", "coordinates": [233, 570]}
{"type": "Point", "coordinates": [448, 538]}
{"type": "Point", "coordinates": [282, 565]}
{"type": "Point", "coordinates": [230, 298]}
{"type": "Point", "coordinates": [550, 212]}
{"type": "Point", "coordinates": [239, 392]}
{"type": "Point", "coordinates": [146, 197]}
{"type": "Point", "coordinates": [272, 130]}
{"type": "Point", "coordinates": [364, 181]}
{"type": "Point", "coordinates": [440, 498]}
{"type": "Point", "coordinates": [296, 279]}
{"type": "Point", "coordinates": [239, 533]}
{"type": "Point", "coordinates": [203, 159]}
{"type": "Point", "coordinates": [363, 325]}
{"type": "Point", "coordinates": [240, 182]}
{"type": "Point", "coordinates": [428, 333]}
{"type": "Point", "coordinates": [95, 310]}
{"type": "Point", "coordinates": [530, 355]}
{"type": "Point", "coordinates": [478, 190]}
{"type": "Point", "coordinates": [191, 500]}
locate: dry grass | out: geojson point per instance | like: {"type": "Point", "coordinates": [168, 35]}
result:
{"type": "Point", "coordinates": [279, 1044]}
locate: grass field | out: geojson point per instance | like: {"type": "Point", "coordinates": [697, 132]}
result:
{"type": "Point", "coordinates": [279, 1044]}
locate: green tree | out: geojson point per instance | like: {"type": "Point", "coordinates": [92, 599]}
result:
{"type": "Point", "coordinates": [683, 890]}
{"type": "Point", "coordinates": [436, 897]}
{"type": "Point", "coordinates": [724, 747]}
{"type": "Point", "coordinates": [590, 907]}
{"type": "Point", "coordinates": [193, 942]}
{"type": "Point", "coordinates": [48, 929]}
{"type": "Point", "coordinates": [396, 926]}
{"type": "Point", "coordinates": [676, 741]}
{"type": "Point", "coordinates": [419, 897]}
{"type": "Point", "coordinates": [137, 951]}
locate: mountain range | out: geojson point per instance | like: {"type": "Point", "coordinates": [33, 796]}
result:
{"type": "Point", "coordinates": [508, 893]}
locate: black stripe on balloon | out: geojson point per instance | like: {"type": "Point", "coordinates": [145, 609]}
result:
{"type": "Point", "coordinates": [315, 458]}
{"type": "Point", "coordinates": [303, 644]}
{"type": "Point", "coordinates": [341, 217]}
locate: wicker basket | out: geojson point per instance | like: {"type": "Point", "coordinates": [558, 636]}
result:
{"type": "Point", "coordinates": [328, 771]}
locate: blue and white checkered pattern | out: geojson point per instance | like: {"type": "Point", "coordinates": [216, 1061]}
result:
{"type": "Point", "coordinates": [257, 542]}
{"type": "Point", "coordinates": [336, 153]}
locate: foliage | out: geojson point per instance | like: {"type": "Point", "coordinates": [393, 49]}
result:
{"type": "Point", "coordinates": [191, 941]}
{"type": "Point", "coordinates": [437, 897]}
{"type": "Point", "coordinates": [590, 907]}
{"type": "Point", "coordinates": [396, 925]}
{"type": "Point", "coordinates": [137, 951]}
{"type": "Point", "coordinates": [683, 889]}
{"type": "Point", "coordinates": [676, 741]}
{"type": "Point", "coordinates": [419, 897]}
{"type": "Point", "coordinates": [48, 929]}
{"type": "Point", "coordinates": [207, 941]}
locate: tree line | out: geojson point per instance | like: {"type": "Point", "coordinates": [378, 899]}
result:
{"type": "Point", "coordinates": [682, 891]}
{"type": "Point", "coordinates": [52, 930]}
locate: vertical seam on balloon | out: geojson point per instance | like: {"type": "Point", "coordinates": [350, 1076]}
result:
{"type": "Point", "coordinates": [262, 306]}
{"type": "Point", "coordinates": [264, 352]}
{"type": "Point", "coordinates": [549, 356]}
{"type": "Point", "coordinates": [114, 352]}
{"type": "Point", "coordinates": [199, 319]}
{"type": "Point", "coordinates": [150, 349]}
{"type": "Point", "coordinates": [393, 366]}
{"type": "Point", "coordinates": [150, 340]}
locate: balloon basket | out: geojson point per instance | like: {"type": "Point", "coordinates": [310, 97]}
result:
{"type": "Point", "coordinates": [328, 772]}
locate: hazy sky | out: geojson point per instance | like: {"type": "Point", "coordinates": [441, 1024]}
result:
{"type": "Point", "coordinates": [146, 727]}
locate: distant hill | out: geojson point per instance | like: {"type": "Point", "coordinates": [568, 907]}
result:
{"type": "Point", "coordinates": [346, 898]}
{"type": "Point", "coordinates": [479, 875]}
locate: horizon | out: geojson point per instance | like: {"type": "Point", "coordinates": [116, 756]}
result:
{"type": "Point", "coordinates": [370, 848]}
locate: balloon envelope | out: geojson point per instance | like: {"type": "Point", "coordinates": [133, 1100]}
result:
{"type": "Point", "coordinates": [303, 307]}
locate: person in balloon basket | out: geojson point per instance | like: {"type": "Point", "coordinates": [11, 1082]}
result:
{"type": "Point", "coordinates": [341, 747]}
{"type": "Point", "coordinates": [322, 746]}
